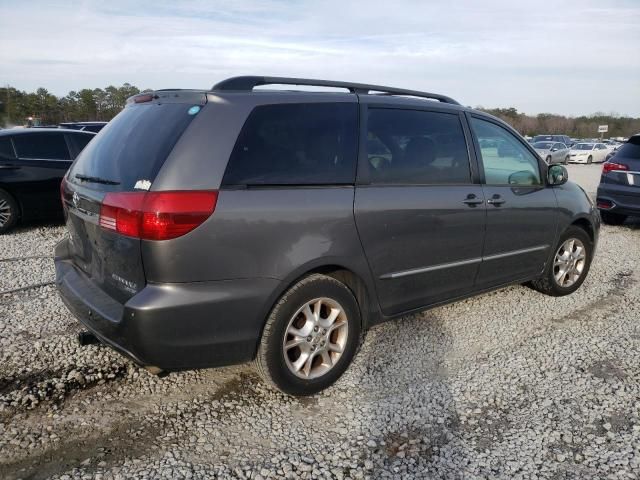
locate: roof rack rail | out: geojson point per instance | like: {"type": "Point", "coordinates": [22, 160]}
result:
{"type": "Point", "coordinates": [247, 83]}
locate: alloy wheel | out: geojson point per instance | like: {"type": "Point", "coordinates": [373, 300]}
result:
{"type": "Point", "coordinates": [5, 212]}
{"type": "Point", "coordinates": [315, 338]}
{"type": "Point", "coordinates": [569, 262]}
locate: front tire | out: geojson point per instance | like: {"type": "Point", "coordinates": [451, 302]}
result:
{"type": "Point", "coordinates": [566, 160]}
{"type": "Point", "coordinates": [8, 212]}
{"type": "Point", "coordinates": [590, 159]}
{"type": "Point", "coordinates": [310, 337]}
{"type": "Point", "coordinates": [549, 160]}
{"type": "Point", "coordinates": [569, 266]}
{"type": "Point", "coordinates": [611, 218]}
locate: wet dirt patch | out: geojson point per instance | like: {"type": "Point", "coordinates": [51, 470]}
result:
{"type": "Point", "coordinates": [607, 370]}
{"type": "Point", "coordinates": [126, 440]}
{"type": "Point", "coordinates": [424, 443]}
{"type": "Point", "coordinates": [29, 389]}
{"type": "Point", "coordinates": [620, 282]}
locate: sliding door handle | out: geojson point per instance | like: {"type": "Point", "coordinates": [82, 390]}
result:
{"type": "Point", "coordinates": [472, 200]}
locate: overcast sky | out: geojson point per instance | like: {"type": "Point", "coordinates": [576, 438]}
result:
{"type": "Point", "coordinates": [569, 57]}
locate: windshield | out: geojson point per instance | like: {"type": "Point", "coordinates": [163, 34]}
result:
{"type": "Point", "coordinates": [542, 138]}
{"type": "Point", "coordinates": [583, 146]}
{"type": "Point", "coordinates": [543, 145]}
{"type": "Point", "coordinates": [132, 148]}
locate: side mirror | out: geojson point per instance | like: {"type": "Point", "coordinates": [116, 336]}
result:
{"type": "Point", "coordinates": [554, 149]}
{"type": "Point", "coordinates": [557, 175]}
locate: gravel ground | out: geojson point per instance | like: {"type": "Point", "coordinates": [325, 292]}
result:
{"type": "Point", "coordinates": [587, 176]}
{"type": "Point", "coordinates": [511, 384]}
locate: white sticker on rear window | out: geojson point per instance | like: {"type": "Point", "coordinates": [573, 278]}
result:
{"type": "Point", "coordinates": [142, 185]}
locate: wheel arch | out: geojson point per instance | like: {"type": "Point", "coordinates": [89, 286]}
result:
{"type": "Point", "coordinates": [363, 293]}
{"type": "Point", "coordinates": [586, 225]}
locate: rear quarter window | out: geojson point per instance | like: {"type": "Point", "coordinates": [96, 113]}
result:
{"type": "Point", "coordinates": [296, 144]}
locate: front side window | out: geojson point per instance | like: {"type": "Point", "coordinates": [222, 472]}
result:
{"type": "Point", "coordinates": [296, 144]}
{"type": "Point", "coordinates": [506, 161]}
{"type": "Point", "coordinates": [412, 147]}
{"type": "Point", "coordinates": [44, 145]}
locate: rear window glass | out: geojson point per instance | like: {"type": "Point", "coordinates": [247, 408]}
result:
{"type": "Point", "coordinates": [631, 149]}
{"type": "Point", "coordinates": [48, 146]}
{"type": "Point", "coordinates": [78, 142]}
{"type": "Point", "coordinates": [133, 146]}
{"type": "Point", "coordinates": [296, 144]}
{"type": "Point", "coordinates": [6, 149]}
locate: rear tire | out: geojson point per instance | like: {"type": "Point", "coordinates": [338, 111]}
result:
{"type": "Point", "coordinates": [8, 212]}
{"type": "Point", "coordinates": [569, 266]}
{"type": "Point", "coordinates": [611, 218]}
{"type": "Point", "coordinates": [311, 336]}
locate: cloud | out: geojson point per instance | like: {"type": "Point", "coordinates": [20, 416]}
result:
{"type": "Point", "coordinates": [569, 57]}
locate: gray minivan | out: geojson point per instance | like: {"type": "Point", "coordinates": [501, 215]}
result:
{"type": "Point", "coordinates": [208, 228]}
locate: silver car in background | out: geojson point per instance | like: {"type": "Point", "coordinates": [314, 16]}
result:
{"type": "Point", "coordinates": [553, 152]}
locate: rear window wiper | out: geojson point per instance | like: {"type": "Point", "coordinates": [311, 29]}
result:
{"type": "Point", "coordinates": [88, 178]}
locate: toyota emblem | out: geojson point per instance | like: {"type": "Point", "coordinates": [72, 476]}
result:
{"type": "Point", "coordinates": [75, 199]}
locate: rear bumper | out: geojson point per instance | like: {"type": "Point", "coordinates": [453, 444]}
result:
{"type": "Point", "coordinates": [172, 326]}
{"type": "Point", "coordinates": [626, 200]}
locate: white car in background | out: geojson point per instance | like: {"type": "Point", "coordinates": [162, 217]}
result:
{"type": "Point", "coordinates": [588, 153]}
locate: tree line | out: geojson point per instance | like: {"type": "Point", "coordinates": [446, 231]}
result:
{"type": "Point", "coordinates": [576, 127]}
{"type": "Point", "coordinates": [104, 104]}
{"type": "Point", "coordinates": [84, 105]}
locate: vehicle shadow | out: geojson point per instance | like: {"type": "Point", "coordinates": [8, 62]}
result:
{"type": "Point", "coordinates": [409, 421]}
{"type": "Point", "coordinates": [35, 224]}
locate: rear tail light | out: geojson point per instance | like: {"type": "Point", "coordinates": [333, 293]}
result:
{"type": "Point", "coordinates": [156, 215]}
{"type": "Point", "coordinates": [611, 166]}
{"type": "Point", "coordinates": [604, 204]}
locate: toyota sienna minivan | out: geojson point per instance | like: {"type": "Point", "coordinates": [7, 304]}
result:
{"type": "Point", "coordinates": [209, 228]}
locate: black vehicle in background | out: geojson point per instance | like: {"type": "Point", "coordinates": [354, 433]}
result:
{"type": "Point", "coordinates": [619, 190]}
{"type": "Point", "coordinates": [32, 164]}
{"type": "Point", "coordinates": [94, 127]}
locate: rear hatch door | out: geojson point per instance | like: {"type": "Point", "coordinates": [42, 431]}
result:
{"type": "Point", "coordinates": [125, 156]}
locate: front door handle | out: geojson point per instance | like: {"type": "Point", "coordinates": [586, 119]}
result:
{"type": "Point", "coordinates": [496, 200]}
{"type": "Point", "coordinates": [472, 200]}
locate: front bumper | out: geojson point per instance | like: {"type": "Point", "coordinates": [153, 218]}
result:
{"type": "Point", "coordinates": [173, 326]}
{"type": "Point", "coordinates": [578, 159]}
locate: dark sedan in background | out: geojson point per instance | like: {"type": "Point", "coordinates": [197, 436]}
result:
{"type": "Point", "coordinates": [619, 190]}
{"type": "Point", "coordinates": [32, 164]}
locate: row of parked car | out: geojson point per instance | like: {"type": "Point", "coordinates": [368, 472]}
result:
{"type": "Point", "coordinates": [560, 149]}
